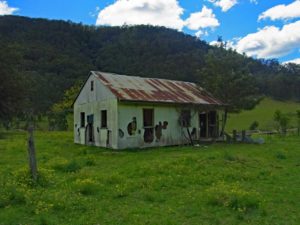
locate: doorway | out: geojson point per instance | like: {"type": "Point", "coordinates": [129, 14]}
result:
{"type": "Point", "coordinates": [203, 125]}
{"type": "Point", "coordinates": [208, 124]}
{"type": "Point", "coordinates": [148, 122]}
{"type": "Point", "coordinates": [90, 128]}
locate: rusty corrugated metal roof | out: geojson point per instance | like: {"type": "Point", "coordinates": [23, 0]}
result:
{"type": "Point", "coordinates": [132, 88]}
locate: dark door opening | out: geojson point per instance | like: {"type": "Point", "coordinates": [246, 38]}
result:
{"type": "Point", "coordinates": [203, 125]}
{"type": "Point", "coordinates": [90, 128]}
{"type": "Point", "coordinates": [208, 123]}
{"type": "Point", "coordinates": [148, 122]}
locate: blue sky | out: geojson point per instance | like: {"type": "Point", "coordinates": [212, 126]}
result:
{"type": "Point", "coordinates": [260, 28]}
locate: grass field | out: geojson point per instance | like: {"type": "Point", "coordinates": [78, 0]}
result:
{"type": "Point", "coordinates": [215, 184]}
{"type": "Point", "coordinates": [263, 114]}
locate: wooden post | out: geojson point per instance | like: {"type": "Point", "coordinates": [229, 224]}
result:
{"type": "Point", "coordinates": [234, 134]}
{"type": "Point", "coordinates": [224, 123]}
{"type": "Point", "coordinates": [31, 155]}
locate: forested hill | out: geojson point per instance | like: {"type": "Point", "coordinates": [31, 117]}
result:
{"type": "Point", "coordinates": [50, 56]}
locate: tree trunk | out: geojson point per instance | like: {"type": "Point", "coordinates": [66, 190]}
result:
{"type": "Point", "coordinates": [224, 123]}
{"type": "Point", "coordinates": [31, 154]}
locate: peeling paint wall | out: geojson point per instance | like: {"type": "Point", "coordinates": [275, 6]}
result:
{"type": "Point", "coordinates": [166, 128]}
{"type": "Point", "coordinates": [91, 103]}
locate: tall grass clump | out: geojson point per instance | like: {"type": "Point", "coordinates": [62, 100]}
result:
{"type": "Point", "coordinates": [233, 197]}
{"type": "Point", "coordinates": [67, 166]}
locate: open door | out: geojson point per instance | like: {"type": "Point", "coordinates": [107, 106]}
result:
{"type": "Point", "coordinates": [90, 129]}
{"type": "Point", "coordinates": [208, 123]}
{"type": "Point", "coordinates": [148, 121]}
{"type": "Point", "coordinates": [203, 125]}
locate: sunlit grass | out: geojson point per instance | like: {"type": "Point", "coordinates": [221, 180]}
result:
{"type": "Point", "coordinates": [263, 114]}
{"type": "Point", "coordinates": [216, 184]}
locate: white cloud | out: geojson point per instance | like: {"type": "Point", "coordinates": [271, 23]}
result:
{"type": "Point", "coordinates": [282, 11]}
{"type": "Point", "coordinates": [153, 12]}
{"type": "Point", "coordinates": [271, 41]}
{"type": "Point", "coordinates": [225, 5]}
{"type": "Point", "coordinates": [5, 9]}
{"type": "Point", "coordinates": [227, 44]}
{"type": "Point", "coordinates": [201, 33]}
{"type": "Point", "coordinates": [297, 61]}
{"type": "Point", "coordinates": [203, 19]}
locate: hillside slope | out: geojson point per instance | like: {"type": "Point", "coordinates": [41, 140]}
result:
{"type": "Point", "coordinates": [263, 114]}
{"type": "Point", "coordinates": [52, 55]}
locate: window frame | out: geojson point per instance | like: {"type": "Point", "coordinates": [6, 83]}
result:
{"type": "Point", "coordinates": [103, 123]}
{"type": "Point", "coordinates": [92, 85]}
{"type": "Point", "coordinates": [82, 119]}
{"type": "Point", "coordinates": [153, 122]}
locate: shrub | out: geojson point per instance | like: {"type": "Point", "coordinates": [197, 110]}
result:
{"type": "Point", "coordinates": [254, 125]}
{"type": "Point", "coordinates": [282, 121]}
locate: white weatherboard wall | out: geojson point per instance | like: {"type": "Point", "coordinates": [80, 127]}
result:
{"type": "Point", "coordinates": [174, 134]}
{"type": "Point", "coordinates": [91, 103]}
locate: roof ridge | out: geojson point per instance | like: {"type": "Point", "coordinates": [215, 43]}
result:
{"type": "Point", "coordinates": [116, 74]}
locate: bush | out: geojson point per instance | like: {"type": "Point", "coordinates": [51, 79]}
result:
{"type": "Point", "coordinates": [58, 121]}
{"type": "Point", "coordinates": [282, 121]}
{"type": "Point", "coordinates": [254, 125]}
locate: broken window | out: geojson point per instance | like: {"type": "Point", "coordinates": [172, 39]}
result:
{"type": "Point", "coordinates": [131, 127]}
{"type": "Point", "coordinates": [103, 118]}
{"type": "Point", "coordinates": [185, 118]}
{"type": "Point", "coordinates": [203, 124]}
{"type": "Point", "coordinates": [82, 119]}
{"type": "Point", "coordinates": [90, 123]}
{"type": "Point", "coordinates": [92, 85]}
{"type": "Point", "coordinates": [148, 121]}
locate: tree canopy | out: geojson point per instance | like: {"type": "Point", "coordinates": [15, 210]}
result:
{"type": "Point", "coordinates": [49, 57]}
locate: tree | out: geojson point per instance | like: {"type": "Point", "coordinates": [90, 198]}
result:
{"type": "Point", "coordinates": [282, 121]}
{"type": "Point", "coordinates": [227, 77]}
{"type": "Point", "coordinates": [57, 118]}
{"type": "Point", "coordinates": [11, 89]}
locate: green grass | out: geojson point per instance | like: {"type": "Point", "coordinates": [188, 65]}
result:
{"type": "Point", "coordinates": [263, 114]}
{"type": "Point", "coordinates": [215, 184]}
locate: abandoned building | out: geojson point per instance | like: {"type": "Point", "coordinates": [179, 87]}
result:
{"type": "Point", "coordinates": [118, 111]}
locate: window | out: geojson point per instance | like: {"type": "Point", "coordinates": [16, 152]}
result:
{"type": "Point", "coordinates": [92, 85]}
{"type": "Point", "coordinates": [103, 118]}
{"type": "Point", "coordinates": [148, 115]}
{"type": "Point", "coordinates": [82, 119]}
{"type": "Point", "coordinates": [185, 118]}
{"type": "Point", "coordinates": [148, 121]}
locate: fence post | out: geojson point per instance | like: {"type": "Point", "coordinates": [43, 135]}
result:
{"type": "Point", "coordinates": [31, 154]}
